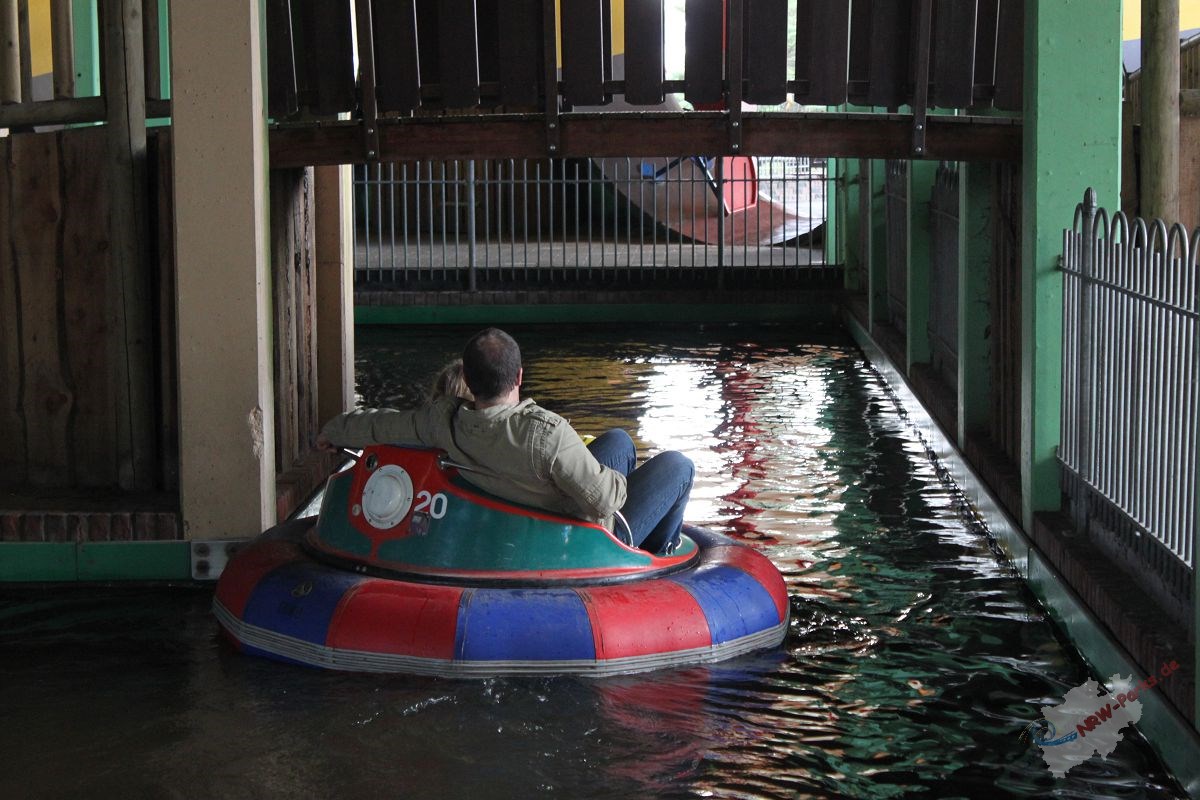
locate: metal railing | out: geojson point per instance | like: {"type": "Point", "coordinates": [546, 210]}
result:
{"type": "Point", "coordinates": [509, 223]}
{"type": "Point", "coordinates": [1131, 402]}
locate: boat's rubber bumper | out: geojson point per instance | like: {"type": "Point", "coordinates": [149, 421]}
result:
{"type": "Point", "coordinates": [275, 600]}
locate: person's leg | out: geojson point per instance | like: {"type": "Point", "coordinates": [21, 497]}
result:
{"type": "Point", "coordinates": [658, 495]}
{"type": "Point", "coordinates": [614, 449]}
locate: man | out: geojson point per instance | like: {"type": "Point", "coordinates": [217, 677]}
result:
{"type": "Point", "coordinates": [519, 451]}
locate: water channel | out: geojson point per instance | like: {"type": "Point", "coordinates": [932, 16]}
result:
{"type": "Point", "coordinates": [914, 662]}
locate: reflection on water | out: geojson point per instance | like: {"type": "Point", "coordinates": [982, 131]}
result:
{"type": "Point", "coordinates": [914, 662]}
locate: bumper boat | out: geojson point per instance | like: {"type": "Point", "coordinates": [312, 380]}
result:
{"type": "Point", "coordinates": [409, 568]}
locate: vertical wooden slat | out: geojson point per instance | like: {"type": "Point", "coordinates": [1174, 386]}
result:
{"type": "Point", "coordinates": [306, 317]}
{"type": "Point", "coordinates": [606, 40]}
{"type": "Point", "coordinates": [583, 52]}
{"type": "Point", "coordinates": [644, 66]}
{"type": "Point", "coordinates": [704, 59]}
{"type": "Point", "coordinates": [331, 53]}
{"type": "Point", "coordinates": [125, 95]}
{"type": "Point", "coordinates": [428, 55]}
{"type": "Point", "coordinates": [10, 53]}
{"type": "Point", "coordinates": [891, 70]}
{"type": "Point", "coordinates": [985, 51]}
{"type": "Point", "coordinates": [164, 266]}
{"type": "Point", "coordinates": [860, 52]}
{"type": "Point", "coordinates": [766, 51]}
{"type": "Point", "coordinates": [487, 23]}
{"type": "Point", "coordinates": [825, 60]}
{"type": "Point", "coordinates": [282, 87]}
{"type": "Point", "coordinates": [397, 59]}
{"type": "Point", "coordinates": [283, 271]}
{"type": "Point", "coordinates": [13, 467]}
{"type": "Point", "coordinates": [954, 23]}
{"type": "Point", "coordinates": [458, 53]}
{"type": "Point", "coordinates": [85, 265]}
{"type": "Point", "coordinates": [23, 46]}
{"type": "Point", "coordinates": [62, 33]}
{"type": "Point", "coordinates": [46, 399]}
{"type": "Point", "coordinates": [520, 36]}
{"type": "Point", "coordinates": [152, 55]}
{"type": "Point", "coordinates": [1010, 67]}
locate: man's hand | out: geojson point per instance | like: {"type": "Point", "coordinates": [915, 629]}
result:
{"type": "Point", "coordinates": [324, 444]}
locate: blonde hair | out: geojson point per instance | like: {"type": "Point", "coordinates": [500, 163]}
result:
{"type": "Point", "coordinates": [450, 382]}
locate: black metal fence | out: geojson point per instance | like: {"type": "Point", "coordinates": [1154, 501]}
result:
{"type": "Point", "coordinates": [515, 223]}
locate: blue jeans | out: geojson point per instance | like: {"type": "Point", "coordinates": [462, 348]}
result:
{"type": "Point", "coordinates": [657, 490]}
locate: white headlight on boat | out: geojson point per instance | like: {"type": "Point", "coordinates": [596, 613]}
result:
{"type": "Point", "coordinates": [387, 496]}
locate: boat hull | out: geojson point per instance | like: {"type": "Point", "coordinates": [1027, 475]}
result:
{"type": "Point", "coordinates": [276, 599]}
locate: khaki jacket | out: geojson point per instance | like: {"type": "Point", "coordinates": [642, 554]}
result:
{"type": "Point", "coordinates": [525, 453]}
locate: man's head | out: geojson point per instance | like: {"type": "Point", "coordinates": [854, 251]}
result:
{"type": "Point", "coordinates": [491, 364]}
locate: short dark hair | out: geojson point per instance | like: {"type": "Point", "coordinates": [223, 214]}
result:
{"type": "Point", "coordinates": [491, 363]}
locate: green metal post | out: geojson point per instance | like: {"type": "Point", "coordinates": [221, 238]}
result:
{"type": "Point", "coordinates": [874, 181]}
{"type": "Point", "coordinates": [921, 177]}
{"type": "Point", "coordinates": [834, 252]}
{"type": "Point", "coordinates": [975, 242]}
{"type": "Point", "coordinates": [1072, 125]}
{"type": "Point", "coordinates": [850, 192]}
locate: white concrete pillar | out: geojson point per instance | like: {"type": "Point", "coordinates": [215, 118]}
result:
{"type": "Point", "coordinates": [226, 395]}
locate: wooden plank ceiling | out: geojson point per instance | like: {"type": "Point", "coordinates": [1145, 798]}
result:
{"type": "Point", "coordinates": [468, 78]}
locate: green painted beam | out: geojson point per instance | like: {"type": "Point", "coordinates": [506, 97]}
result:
{"type": "Point", "coordinates": [822, 310]}
{"type": "Point", "coordinates": [62, 562]}
{"type": "Point", "coordinates": [921, 177]}
{"type": "Point", "coordinates": [975, 243]}
{"type": "Point", "coordinates": [37, 561]}
{"type": "Point", "coordinates": [134, 561]}
{"type": "Point", "coordinates": [1072, 140]}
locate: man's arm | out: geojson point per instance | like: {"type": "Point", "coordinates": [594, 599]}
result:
{"type": "Point", "coordinates": [596, 489]}
{"type": "Point", "coordinates": [367, 426]}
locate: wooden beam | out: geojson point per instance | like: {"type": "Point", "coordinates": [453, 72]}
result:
{"type": "Point", "coordinates": [657, 134]}
{"type": "Point", "coordinates": [53, 112]}
{"type": "Point", "coordinates": [125, 92]}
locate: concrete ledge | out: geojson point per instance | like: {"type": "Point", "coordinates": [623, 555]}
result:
{"type": "Point", "coordinates": [816, 306]}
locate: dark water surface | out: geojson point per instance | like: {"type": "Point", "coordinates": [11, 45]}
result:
{"type": "Point", "coordinates": [914, 661]}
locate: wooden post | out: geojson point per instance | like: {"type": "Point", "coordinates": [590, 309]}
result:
{"type": "Point", "coordinates": [1160, 109]}
{"type": "Point", "coordinates": [10, 53]}
{"type": "Point", "coordinates": [62, 31]}
{"type": "Point", "coordinates": [335, 296]}
{"type": "Point", "coordinates": [125, 93]}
